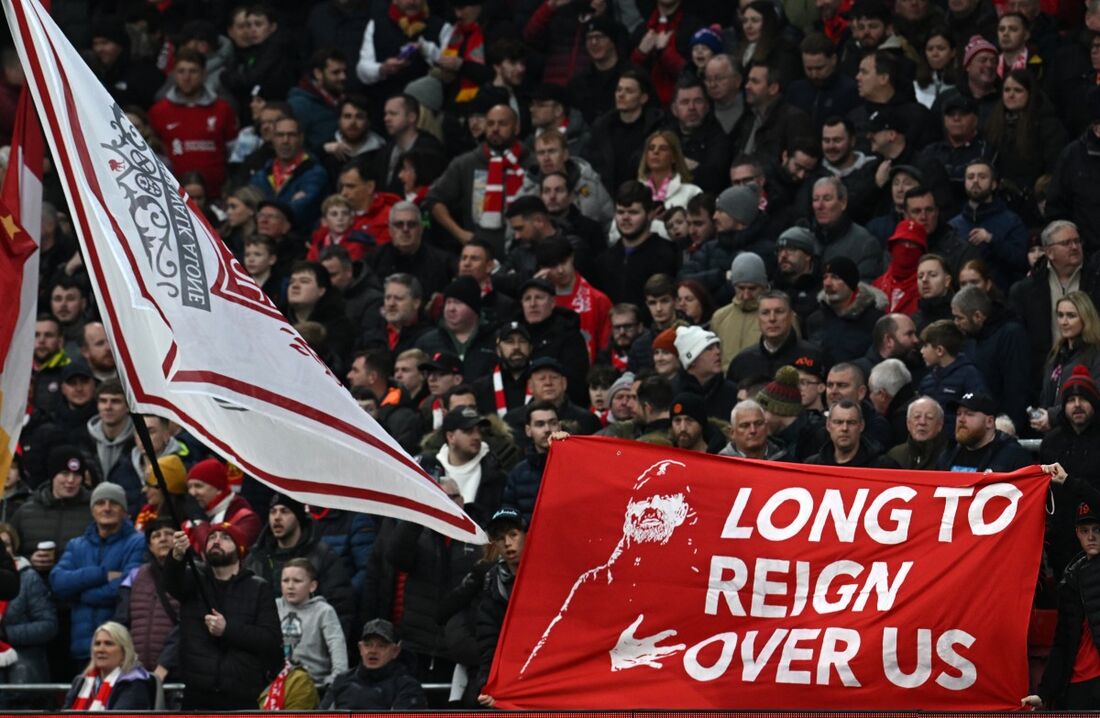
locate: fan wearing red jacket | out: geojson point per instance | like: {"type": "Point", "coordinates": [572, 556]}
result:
{"type": "Point", "coordinates": [194, 124]}
{"type": "Point", "coordinates": [572, 291]}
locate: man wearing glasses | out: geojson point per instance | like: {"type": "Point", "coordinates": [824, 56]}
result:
{"type": "Point", "coordinates": [407, 253]}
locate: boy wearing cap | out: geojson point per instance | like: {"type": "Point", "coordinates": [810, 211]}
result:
{"type": "Point", "coordinates": [93, 565]}
{"type": "Point", "coordinates": [508, 532]}
{"type": "Point", "coordinates": [1071, 679]}
{"type": "Point", "coordinates": [379, 682]}
{"type": "Point", "coordinates": [229, 650]}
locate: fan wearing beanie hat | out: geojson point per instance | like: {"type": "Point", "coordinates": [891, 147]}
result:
{"type": "Point", "coordinates": [736, 208]}
{"type": "Point", "coordinates": [700, 354]}
{"type": "Point", "coordinates": [781, 396]}
{"type": "Point", "coordinates": [208, 484]}
{"type": "Point", "coordinates": [666, 359]}
{"type": "Point", "coordinates": [92, 566]}
{"type": "Point", "coordinates": [846, 316]}
{"type": "Point", "coordinates": [690, 428]}
{"type": "Point", "coordinates": [737, 324]}
{"type": "Point", "coordinates": [1080, 398]}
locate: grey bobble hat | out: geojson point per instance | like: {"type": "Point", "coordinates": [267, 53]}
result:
{"type": "Point", "coordinates": [741, 202]}
{"type": "Point", "coordinates": [748, 268]}
{"type": "Point", "coordinates": [109, 491]}
{"type": "Point", "coordinates": [799, 238]}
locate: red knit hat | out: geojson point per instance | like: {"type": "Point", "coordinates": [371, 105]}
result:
{"type": "Point", "coordinates": [1081, 383]}
{"type": "Point", "coordinates": [234, 532]}
{"type": "Point", "coordinates": [666, 340]}
{"type": "Point", "coordinates": [910, 231]}
{"type": "Point", "coordinates": [212, 472]}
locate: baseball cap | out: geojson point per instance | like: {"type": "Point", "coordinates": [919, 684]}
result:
{"type": "Point", "coordinates": [506, 518]}
{"type": "Point", "coordinates": [977, 401]}
{"type": "Point", "coordinates": [465, 417]}
{"type": "Point", "coordinates": [513, 328]}
{"type": "Point", "coordinates": [442, 361]}
{"type": "Point", "coordinates": [378, 627]}
{"type": "Point", "coordinates": [546, 363]}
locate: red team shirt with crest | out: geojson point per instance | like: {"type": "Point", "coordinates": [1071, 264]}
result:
{"type": "Point", "coordinates": [195, 138]}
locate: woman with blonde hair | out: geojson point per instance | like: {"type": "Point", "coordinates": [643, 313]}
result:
{"type": "Point", "coordinates": [664, 170]}
{"type": "Point", "coordinates": [1078, 344]}
{"type": "Point", "coordinates": [114, 680]}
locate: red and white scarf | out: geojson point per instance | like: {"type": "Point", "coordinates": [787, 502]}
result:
{"type": "Point", "coordinates": [502, 185]}
{"type": "Point", "coordinates": [276, 692]}
{"type": "Point", "coordinates": [8, 656]}
{"type": "Point", "coordinates": [437, 414]}
{"type": "Point", "coordinates": [498, 393]}
{"type": "Point", "coordinates": [84, 700]}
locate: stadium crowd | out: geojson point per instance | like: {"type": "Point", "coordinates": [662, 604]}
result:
{"type": "Point", "coordinates": [847, 233]}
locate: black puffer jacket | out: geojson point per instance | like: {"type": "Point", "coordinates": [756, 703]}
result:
{"type": "Point", "coordinates": [490, 615]}
{"type": "Point", "coordinates": [229, 672]}
{"type": "Point", "coordinates": [1078, 600]}
{"type": "Point", "coordinates": [1078, 454]}
{"type": "Point", "coordinates": [522, 487]}
{"type": "Point", "coordinates": [390, 687]}
{"type": "Point", "coordinates": [46, 518]}
{"type": "Point", "coordinates": [560, 337]}
{"type": "Point", "coordinates": [266, 559]}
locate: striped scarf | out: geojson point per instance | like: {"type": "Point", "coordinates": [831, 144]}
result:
{"type": "Point", "coordinates": [412, 24]}
{"type": "Point", "coordinates": [84, 700]}
{"type": "Point", "coordinates": [502, 185]}
{"type": "Point", "coordinates": [498, 393]}
{"type": "Point", "coordinates": [467, 42]}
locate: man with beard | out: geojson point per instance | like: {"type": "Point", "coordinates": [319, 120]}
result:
{"type": "Point", "coordinates": [401, 116]}
{"type": "Point", "coordinates": [96, 351]}
{"type": "Point", "coordinates": [49, 359]}
{"type": "Point", "coordinates": [522, 487]}
{"type": "Point", "coordinates": [691, 429]}
{"type": "Point", "coordinates": [398, 324]}
{"type": "Point", "coordinates": [68, 303]}
{"type": "Point", "coordinates": [894, 336]}
{"type": "Point", "coordinates": [987, 223]}
{"type": "Point", "coordinates": [852, 167]}
{"type": "Point", "coordinates": [845, 446]}
{"type": "Point", "coordinates": [920, 205]}
{"type": "Point", "coordinates": [481, 183]}
{"type": "Point", "coordinates": [626, 326]}
{"type": "Point", "coordinates": [1073, 442]}
{"type": "Point", "coordinates": [561, 204]}
{"type": "Point", "coordinates": [797, 254]}
{"type": "Point", "coordinates": [737, 324]}
{"type": "Point", "coordinates": [506, 387]}
{"type": "Point", "coordinates": [230, 650]}
{"type": "Point", "coordinates": [847, 314]}
{"type": "Point", "coordinates": [926, 438]}
{"type": "Point", "coordinates": [979, 445]}
{"type": "Point", "coordinates": [824, 92]}
{"type": "Point", "coordinates": [353, 136]}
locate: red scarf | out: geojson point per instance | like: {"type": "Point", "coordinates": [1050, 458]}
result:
{"type": "Point", "coordinates": [604, 416]}
{"type": "Point", "coordinates": [393, 335]}
{"type": "Point", "coordinates": [84, 700]}
{"type": "Point", "coordinates": [619, 361]}
{"type": "Point", "coordinates": [8, 656]}
{"type": "Point", "coordinates": [282, 172]}
{"type": "Point", "coordinates": [498, 393]}
{"type": "Point", "coordinates": [468, 42]}
{"type": "Point", "coordinates": [276, 692]}
{"type": "Point", "coordinates": [836, 25]}
{"type": "Point", "coordinates": [412, 24]}
{"type": "Point", "coordinates": [502, 185]}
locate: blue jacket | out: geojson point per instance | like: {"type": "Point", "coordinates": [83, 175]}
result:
{"type": "Point", "coordinates": [318, 117]}
{"type": "Point", "coordinates": [351, 535]}
{"type": "Point", "coordinates": [524, 480]}
{"type": "Point", "coordinates": [309, 178]}
{"type": "Point", "coordinates": [1006, 254]}
{"type": "Point", "coordinates": [948, 384]}
{"type": "Point", "coordinates": [80, 577]}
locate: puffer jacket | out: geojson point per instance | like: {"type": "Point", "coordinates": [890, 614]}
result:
{"type": "Point", "coordinates": [229, 672]}
{"type": "Point", "coordinates": [522, 487]}
{"type": "Point", "coordinates": [1006, 253]}
{"type": "Point", "coordinates": [499, 582]}
{"type": "Point", "coordinates": [351, 536]}
{"type": "Point", "coordinates": [847, 239]}
{"type": "Point", "coordinates": [47, 518]}
{"type": "Point", "coordinates": [81, 578]}
{"type": "Point", "coordinates": [388, 688]}
{"type": "Point", "coordinates": [711, 262]}
{"type": "Point", "coordinates": [846, 335]}
{"type": "Point", "coordinates": [141, 609]}
{"type": "Point", "coordinates": [30, 622]}
{"type": "Point", "coordinates": [560, 337]}
{"type": "Point", "coordinates": [1078, 602]}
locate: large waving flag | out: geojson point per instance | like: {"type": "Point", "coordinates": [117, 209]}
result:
{"type": "Point", "coordinates": [20, 228]}
{"type": "Point", "coordinates": [195, 339]}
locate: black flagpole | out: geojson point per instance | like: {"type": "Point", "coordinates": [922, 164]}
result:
{"type": "Point", "coordinates": [151, 454]}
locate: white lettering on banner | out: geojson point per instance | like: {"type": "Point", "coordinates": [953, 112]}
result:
{"type": "Point", "coordinates": [838, 647]}
{"type": "Point", "coordinates": [922, 671]}
{"type": "Point", "coordinates": [729, 576]}
{"type": "Point", "coordinates": [830, 510]}
{"type": "Point", "coordinates": [975, 514]}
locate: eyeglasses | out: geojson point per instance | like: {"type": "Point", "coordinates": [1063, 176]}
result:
{"type": "Point", "coordinates": [405, 225]}
{"type": "Point", "coordinates": [809, 382]}
{"type": "Point", "coordinates": [623, 327]}
{"type": "Point", "coordinates": [1071, 242]}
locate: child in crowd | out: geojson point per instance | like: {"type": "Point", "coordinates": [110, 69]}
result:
{"type": "Point", "coordinates": [312, 636]}
{"type": "Point", "coordinates": [336, 228]}
{"type": "Point", "coordinates": [953, 374]}
{"type": "Point", "coordinates": [260, 258]}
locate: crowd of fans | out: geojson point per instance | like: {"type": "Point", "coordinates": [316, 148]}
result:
{"type": "Point", "coordinates": [839, 233]}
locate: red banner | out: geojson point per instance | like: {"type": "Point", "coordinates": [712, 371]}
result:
{"type": "Point", "coordinates": [657, 578]}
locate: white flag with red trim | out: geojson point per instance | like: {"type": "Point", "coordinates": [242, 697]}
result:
{"type": "Point", "coordinates": [195, 340]}
{"type": "Point", "coordinates": [20, 229]}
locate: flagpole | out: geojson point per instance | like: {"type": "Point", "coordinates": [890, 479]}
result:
{"type": "Point", "coordinates": [151, 454]}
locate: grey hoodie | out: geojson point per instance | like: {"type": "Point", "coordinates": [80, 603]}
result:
{"type": "Point", "coordinates": [109, 451]}
{"type": "Point", "coordinates": [321, 650]}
